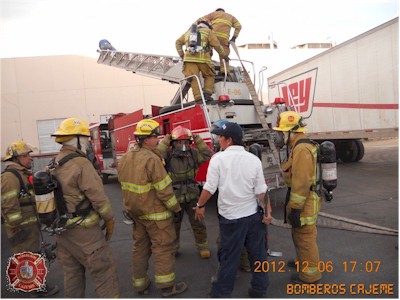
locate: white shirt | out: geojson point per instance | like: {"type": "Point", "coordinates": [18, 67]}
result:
{"type": "Point", "coordinates": [239, 177]}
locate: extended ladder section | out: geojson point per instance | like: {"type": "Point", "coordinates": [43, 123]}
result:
{"type": "Point", "coordinates": [257, 105]}
{"type": "Point", "coordinates": [157, 66]}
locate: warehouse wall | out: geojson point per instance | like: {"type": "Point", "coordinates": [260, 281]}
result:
{"type": "Point", "coordinates": [45, 88]}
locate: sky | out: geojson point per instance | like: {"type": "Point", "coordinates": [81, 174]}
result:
{"type": "Point", "coordinates": [65, 27]}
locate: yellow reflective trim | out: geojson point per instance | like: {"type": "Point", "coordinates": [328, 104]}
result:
{"type": "Point", "coordinates": [220, 20]}
{"type": "Point", "coordinates": [29, 220]}
{"type": "Point", "coordinates": [171, 202]}
{"type": "Point", "coordinates": [236, 24]}
{"type": "Point", "coordinates": [222, 35]}
{"type": "Point", "coordinates": [198, 60]}
{"type": "Point", "coordinates": [135, 188]}
{"type": "Point", "coordinates": [141, 189]}
{"type": "Point", "coordinates": [159, 186]}
{"type": "Point", "coordinates": [9, 195]}
{"type": "Point", "coordinates": [188, 196]}
{"type": "Point", "coordinates": [140, 282]}
{"type": "Point", "coordinates": [309, 220]}
{"type": "Point", "coordinates": [79, 197]}
{"type": "Point", "coordinates": [165, 215]}
{"type": "Point", "coordinates": [202, 245]}
{"type": "Point", "coordinates": [314, 151]}
{"type": "Point", "coordinates": [15, 216]}
{"type": "Point", "coordinates": [90, 220]}
{"type": "Point", "coordinates": [315, 211]}
{"type": "Point", "coordinates": [296, 198]}
{"type": "Point", "coordinates": [105, 208]}
{"type": "Point", "coordinates": [310, 270]}
{"type": "Point", "coordinates": [164, 278]}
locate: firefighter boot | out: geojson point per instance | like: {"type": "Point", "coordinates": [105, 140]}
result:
{"type": "Point", "coordinates": [208, 97]}
{"type": "Point", "coordinates": [48, 292]}
{"type": "Point", "coordinates": [254, 294]}
{"type": "Point", "coordinates": [244, 261]}
{"type": "Point", "coordinates": [204, 253]}
{"type": "Point", "coordinates": [291, 263]}
{"type": "Point", "coordinates": [145, 290]}
{"type": "Point", "coordinates": [177, 288]}
{"type": "Point", "coordinates": [295, 279]}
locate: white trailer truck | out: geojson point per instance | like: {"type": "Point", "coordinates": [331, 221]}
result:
{"type": "Point", "coordinates": [347, 93]}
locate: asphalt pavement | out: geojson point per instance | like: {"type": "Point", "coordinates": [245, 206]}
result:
{"type": "Point", "coordinates": [354, 264]}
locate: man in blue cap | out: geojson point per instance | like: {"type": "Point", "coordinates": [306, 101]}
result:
{"type": "Point", "coordinates": [238, 176]}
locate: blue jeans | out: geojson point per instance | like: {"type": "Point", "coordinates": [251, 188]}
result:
{"type": "Point", "coordinates": [235, 234]}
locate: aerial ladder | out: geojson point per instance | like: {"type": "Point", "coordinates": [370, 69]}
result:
{"type": "Point", "coordinates": [168, 68]}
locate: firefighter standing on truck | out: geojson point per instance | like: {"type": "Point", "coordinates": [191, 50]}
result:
{"type": "Point", "coordinates": [182, 164]}
{"type": "Point", "coordinates": [222, 23]}
{"type": "Point", "coordinates": [304, 203]}
{"type": "Point", "coordinates": [83, 245]}
{"type": "Point", "coordinates": [150, 202]}
{"type": "Point", "coordinates": [18, 206]}
{"type": "Point", "coordinates": [197, 57]}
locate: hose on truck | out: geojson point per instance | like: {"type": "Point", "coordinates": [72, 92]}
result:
{"type": "Point", "coordinates": [342, 223]}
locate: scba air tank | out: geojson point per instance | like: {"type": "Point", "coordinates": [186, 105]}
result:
{"type": "Point", "coordinates": [328, 166]}
{"type": "Point", "coordinates": [44, 196]}
{"type": "Point", "coordinates": [193, 36]}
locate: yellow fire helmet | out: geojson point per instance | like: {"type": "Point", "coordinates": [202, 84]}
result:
{"type": "Point", "coordinates": [147, 127]}
{"type": "Point", "coordinates": [291, 121]}
{"type": "Point", "coordinates": [69, 128]}
{"type": "Point", "coordinates": [16, 149]}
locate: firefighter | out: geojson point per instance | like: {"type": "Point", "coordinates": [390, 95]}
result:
{"type": "Point", "coordinates": [83, 246]}
{"type": "Point", "coordinates": [304, 202]}
{"type": "Point", "coordinates": [222, 23]}
{"type": "Point", "coordinates": [182, 164]}
{"type": "Point", "coordinates": [18, 206]}
{"type": "Point", "coordinates": [149, 200]}
{"type": "Point", "coordinates": [197, 58]}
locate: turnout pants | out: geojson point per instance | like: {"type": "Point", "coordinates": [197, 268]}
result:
{"type": "Point", "coordinates": [24, 238]}
{"type": "Point", "coordinates": [235, 234]}
{"type": "Point", "coordinates": [198, 227]}
{"type": "Point", "coordinates": [225, 44]}
{"type": "Point", "coordinates": [305, 242]}
{"type": "Point", "coordinates": [157, 238]}
{"type": "Point", "coordinates": [208, 73]}
{"type": "Point", "coordinates": [85, 248]}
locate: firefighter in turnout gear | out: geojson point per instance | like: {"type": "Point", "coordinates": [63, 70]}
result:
{"type": "Point", "coordinates": [150, 201]}
{"type": "Point", "coordinates": [18, 209]}
{"type": "Point", "coordinates": [83, 246]}
{"type": "Point", "coordinates": [197, 58]}
{"type": "Point", "coordinates": [18, 205]}
{"type": "Point", "coordinates": [303, 201]}
{"type": "Point", "coordinates": [182, 164]}
{"type": "Point", "coordinates": [222, 23]}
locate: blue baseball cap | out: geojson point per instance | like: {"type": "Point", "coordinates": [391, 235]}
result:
{"type": "Point", "coordinates": [232, 130]}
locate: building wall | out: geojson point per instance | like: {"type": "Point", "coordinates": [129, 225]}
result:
{"type": "Point", "coordinates": [51, 87]}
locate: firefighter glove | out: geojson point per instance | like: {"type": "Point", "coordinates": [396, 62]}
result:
{"type": "Point", "coordinates": [233, 39]}
{"type": "Point", "coordinates": [226, 58]}
{"type": "Point", "coordinates": [178, 216]}
{"type": "Point", "coordinates": [109, 228]}
{"type": "Point", "coordinates": [294, 218]}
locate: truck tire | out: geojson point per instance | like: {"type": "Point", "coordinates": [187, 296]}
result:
{"type": "Point", "coordinates": [104, 178]}
{"type": "Point", "coordinates": [348, 151]}
{"type": "Point", "coordinates": [361, 150]}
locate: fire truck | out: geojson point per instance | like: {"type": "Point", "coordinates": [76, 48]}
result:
{"type": "Point", "coordinates": [235, 99]}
